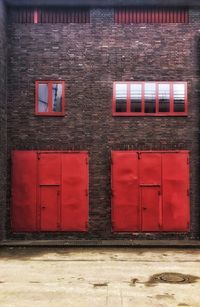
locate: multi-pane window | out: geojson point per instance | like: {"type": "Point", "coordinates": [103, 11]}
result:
{"type": "Point", "coordinates": [150, 98]}
{"type": "Point", "coordinates": [50, 98]}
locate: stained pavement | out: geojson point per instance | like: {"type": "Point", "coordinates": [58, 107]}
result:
{"type": "Point", "coordinates": [99, 277]}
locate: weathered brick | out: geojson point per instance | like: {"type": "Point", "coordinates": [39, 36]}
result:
{"type": "Point", "coordinates": [3, 120]}
{"type": "Point", "coordinates": [89, 58]}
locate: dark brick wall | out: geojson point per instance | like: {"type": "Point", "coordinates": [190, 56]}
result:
{"type": "Point", "coordinates": [3, 132]}
{"type": "Point", "coordinates": [89, 58]}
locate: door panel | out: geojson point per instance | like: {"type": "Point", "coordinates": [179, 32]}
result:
{"type": "Point", "coordinates": [49, 204]}
{"type": "Point", "coordinates": [150, 168]}
{"type": "Point", "coordinates": [49, 168]}
{"type": "Point", "coordinates": [24, 179]}
{"type": "Point", "coordinates": [125, 191]}
{"type": "Point", "coordinates": [74, 208]}
{"type": "Point", "coordinates": [176, 215]}
{"type": "Point", "coordinates": [151, 208]}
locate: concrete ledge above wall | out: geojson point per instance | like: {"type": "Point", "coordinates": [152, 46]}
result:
{"type": "Point", "coordinates": [104, 3]}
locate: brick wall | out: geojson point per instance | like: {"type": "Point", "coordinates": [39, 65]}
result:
{"type": "Point", "coordinates": [89, 58]}
{"type": "Point", "coordinates": [3, 132]}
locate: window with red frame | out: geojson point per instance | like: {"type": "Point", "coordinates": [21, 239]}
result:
{"type": "Point", "coordinates": [50, 98]}
{"type": "Point", "coordinates": [150, 99]}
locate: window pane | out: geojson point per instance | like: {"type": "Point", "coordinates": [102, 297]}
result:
{"type": "Point", "coordinates": [179, 97]}
{"type": "Point", "coordinates": [136, 97]}
{"type": "Point", "coordinates": [164, 97]}
{"type": "Point", "coordinates": [57, 97]}
{"type": "Point", "coordinates": [150, 97]}
{"type": "Point", "coordinates": [43, 98]}
{"type": "Point", "coordinates": [121, 97]}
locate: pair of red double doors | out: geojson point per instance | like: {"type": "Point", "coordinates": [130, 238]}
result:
{"type": "Point", "coordinates": [49, 191]}
{"type": "Point", "coordinates": [150, 191]}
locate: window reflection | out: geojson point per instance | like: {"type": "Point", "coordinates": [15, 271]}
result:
{"type": "Point", "coordinates": [179, 97]}
{"type": "Point", "coordinates": [56, 97]}
{"type": "Point", "coordinates": [136, 97]}
{"type": "Point", "coordinates": [150, 97]}
{"type": "Point", "coordinates": [121, 97]}
{"type": "Point", "coordinates": [43, 98]}
{"type": "Point", "coordinates": [164, 97]}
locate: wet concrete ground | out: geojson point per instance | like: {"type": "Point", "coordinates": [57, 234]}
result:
{"type": "Point", "coordinates": [99, 277]}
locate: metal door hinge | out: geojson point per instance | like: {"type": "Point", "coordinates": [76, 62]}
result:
{"type": "Point", "coordinates": [86, 160]}
{"type": "Point", "coordinates": [38, 155]}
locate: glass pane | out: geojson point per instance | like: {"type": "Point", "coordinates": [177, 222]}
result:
{"type": "Point", "coordinates": [150, 97]}
{"type": "Point", "coordinates": [179, 97]}
{"type": "Point", "coordinates": [57, 97]}
{"type": "Point", "coordinates": [136, 97]}
{"type": "Point", "coordinates": [121, 97]}
{"type": "Point", "coordinates": [43, 97]}
{"type": "Point", "coordinates": [164, 97]}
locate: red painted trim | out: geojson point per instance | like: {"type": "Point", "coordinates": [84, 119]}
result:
{"type": "Point", "coordinates": [129, 113]}
{"type": "Point", "coordinates": [50, 112]}
{"type": "Point", "coordinates": [36, 16]}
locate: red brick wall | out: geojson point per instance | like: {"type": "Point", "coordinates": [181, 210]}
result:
{"type": "Point", "coordinates": [89, 58]}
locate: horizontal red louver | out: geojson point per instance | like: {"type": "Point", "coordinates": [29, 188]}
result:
{"type": "Point", "coordinates": [22, 15]}
{"type": "Point", "coordinates": [43, 15]}
{"type": "Point", "coordinates": [64, 16]}
{"type": "Point", "coordinates": [151, 15]}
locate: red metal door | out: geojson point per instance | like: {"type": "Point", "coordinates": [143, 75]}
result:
{"type": "Point", "coordinates": [49, 168]}
{"type": "Point", "coordinates": [125, 191]}
{"type": "Point", "coordinates": [74, 205]}
{"type": "Point", "coordinates": [24, 196]}
{"type": "Point", "coordinates": [49, 208]}
{"type": "Point", "coordinates": [150, 168]}
{"type": "Point", "coordinates": [151, 208]}
{"type": "Point", "coordinates": [175, 169]}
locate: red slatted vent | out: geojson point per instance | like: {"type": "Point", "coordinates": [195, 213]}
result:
{"type": "Point", "coordinates": [151, 15]}
{"type": "Point", "coordinates": [50, 15]}
{"type": "Point", "coordinates": [22, 15]}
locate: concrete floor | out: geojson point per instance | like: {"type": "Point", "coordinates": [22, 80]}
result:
{"type": "Point", "coordinates": [99, 277]}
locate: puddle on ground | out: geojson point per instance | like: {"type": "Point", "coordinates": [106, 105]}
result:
{"type": "Point", "coordinates": [133, 282]}
{"type": "Point", "coordinates": [105, 284]}
{"type": "Point", "coordinates": [171, 278]}
{"type": "Point", "coordinates": [164, 296]}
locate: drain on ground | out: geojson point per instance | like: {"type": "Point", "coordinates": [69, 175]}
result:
{"type": "Point", "coordinates": [172, 278]}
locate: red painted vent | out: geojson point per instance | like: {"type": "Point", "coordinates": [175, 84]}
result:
{"type": "Point", "coordinates": [31, 15]}
{"type": "Point", "coordinates": [22, 15]}
{"type": "Point", "coordinates": [151, 15]}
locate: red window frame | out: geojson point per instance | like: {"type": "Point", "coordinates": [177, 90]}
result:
{"type": "Point", "coordinates": [142, 113]}
{"type": "Point", "coordinates": [50, 112]}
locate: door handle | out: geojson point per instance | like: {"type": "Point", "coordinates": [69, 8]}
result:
{"type": "Point", "coordinates": [144, 208]}
{"type": "Point", "coordinates": [43, 207]}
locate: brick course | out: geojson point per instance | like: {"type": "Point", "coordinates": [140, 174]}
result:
{"type": "Point", "coordinates": [89, 58]}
